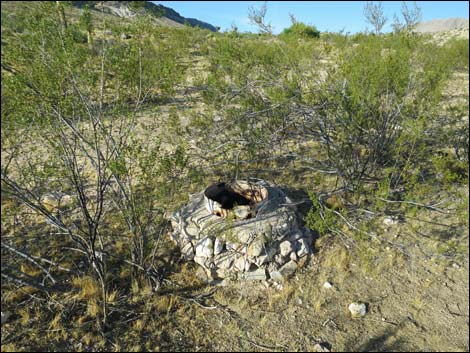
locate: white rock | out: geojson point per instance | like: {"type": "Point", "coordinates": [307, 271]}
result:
{"type": "Point", "coordinates": [247, 265]}
{"type": "Point", "coordinates": [320, 348]}
{"type": "Point", "coordinates": [218, 246]}
{"type": "Point", "coordinates": [389, 221]}
{"type": "Point", "coordinates": [357, 309]}
{"type": "Point", "coordinates": [258, 275]}
{"type": "Point", "coordinates": [240, 263]}
{"type": "Point", "coordinates": [256, 247]}
{"type": "Point", "coordinates": [261, 260]}
{"type": "Point", "coordinates": [245, 234]}
{"type": "Point", "coordinates": [5, 316]}
{"type": "Point", "coordinates": [242, 212]}
{"type": "Point", "coordinates": [293, 256]}
{"type": "Point", "coordinates": [201, 260]}
{"type": "Point", "coordinates": [231, 246]}
{"type": "Point", "coordinates": [278, 286]}
{"type": "Point", "coordinates": [222, 273]}
{"type": "Point", "coordinates": [276, 276]}
{"type": "Point", "coordinates": [303, 247]}
{"type": "Point", "coordinates": [327, 285]}
{"type": "Point", "coordinates": [54, 200]}
{"type": "Point", "coordinates": [188, 251]}
{"type": "Point", "coordinates": [225, 261]}
{"type": "Point", "coordinates": [50, 201]}
{"type": "Point", "coordinates": [295, 236]}
{"type": "Point", "coordinates": [205, 247]}
{"type": "Point", "coordinates": [288, 269]}
{"type": "Point", "coordinates": [280, 260]}
{"type": "Point", "coordinates": [285, 248]}
{"type": "Point", "coordinates": [201, 273]}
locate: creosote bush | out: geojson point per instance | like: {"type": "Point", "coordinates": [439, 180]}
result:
{"type": "Point", "coordinates": [300, 30]}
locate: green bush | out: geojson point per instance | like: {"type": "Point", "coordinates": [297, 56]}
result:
{"type": "Point", "coordinates": [300, 30]}
{"type": "Point", "coordinates": [458, 51]}
{"type": "Point", "coordinates": [377, 103]}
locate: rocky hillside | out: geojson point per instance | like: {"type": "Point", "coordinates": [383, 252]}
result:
{"type": "Point", "coordinates": [443, 25]}
{"type": "Point", "coordinates": [163, 14]}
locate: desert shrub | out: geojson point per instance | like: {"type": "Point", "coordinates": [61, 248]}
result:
{"type": "Point", "coordinates": [74, 109]}
{"type": "Point", "coordinates": [338, 40]}
{"type": "Point", "coordinates": [383, 90]}
{"type": "Point", "coordinates": [77, 35]}
{"type": "Point", "coordinates": [458, 52]}
{"type": "Point", "coordinates": [300, 30]}
{"type": "Point", "coordinates": [373, 117]}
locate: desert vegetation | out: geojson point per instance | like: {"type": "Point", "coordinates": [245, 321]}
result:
{"type": "Point", "coordinates": [108, 124]}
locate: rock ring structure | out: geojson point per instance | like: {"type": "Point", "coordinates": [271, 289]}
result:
{"type": "Point", "coordinates": [259, 241]}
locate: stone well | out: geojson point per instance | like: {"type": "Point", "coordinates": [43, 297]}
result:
{"type": "Point", "coordinates": [259, 241]}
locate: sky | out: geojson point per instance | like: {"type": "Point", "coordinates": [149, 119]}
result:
{"type": "Point", "coordinates": [332, 16]}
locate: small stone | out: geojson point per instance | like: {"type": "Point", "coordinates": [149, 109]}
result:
{"type": "Point", "coordinates": [256, 247]}
{"type": "Point", "coordinates": [288, 269]}
{"type": "Point", "coordinates": [240, 264]}
{"type": "Point", "coordinates": [231, 246]}
{"type": "Point", "coordinates": [248, 265]}
{"type": "Point", "coordinates": [390, 220]}
{"type": "Point", "coordinates": [225, 261]}
{"type": "Point", "coordinates": [225, 282]}
{"type": "Point", "coordinates": [276, 276]}
{"type": "Point", "coordinates": [5, 316]}
{"type": "Point", "coordinates": [218, 246]}
{"type": "Point", "coordinates": [296, 236]}
{"type": "Point", "coordinates": [455, 265]}
{"type": "Point", "coordinates": [205, 247]}
{"type": "Point", "coordinates": [280, 260]}
{"type": "Point", "coordinates": [261, 260]}
{"type": "Point", "coordinates": [273, 266]}
{"type": "Point", "coordinates": [245, 235]}
{"type": "Point", "coordinates": [125, 36]}
{"type": "Point", "coordinates": [258, 275]}
{"type": "Point", "coordinates": [188, 251]}
{"type": "Point", "coordinates": [285, 248]}
{"type": "Point", "coordinates": [357, 309]}
{"type": "Point", "coordinates": [293, 256]}
{"type": "Point", "coordinates": [271, 251]}
{"type": "Point", "coordinates": [302, 261]}
{"type": "Point", "coordinates": [50, 201]}
{"type": "Point", "coordinates": [303, 247]}
{"type": "Point", "coordinates": [202, 275]}
{"type": "Point", "coordinates": [66, 200]}
{"type": "Point", "coordinates": [242, 212]}
{"type": "Point", "coordinates": [327, 285]}
{"type": "Point", "coordinates": [320, 348]}
{"type": "Point", "coordinates": [222, 273]}
{"type": "Point", "coordinates": [201, 260]}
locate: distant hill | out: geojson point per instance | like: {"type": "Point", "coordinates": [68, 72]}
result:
{"type": "Point", "coordinates": [163, 14]}
{"type": "Point", "coordinates": [442, 25]}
